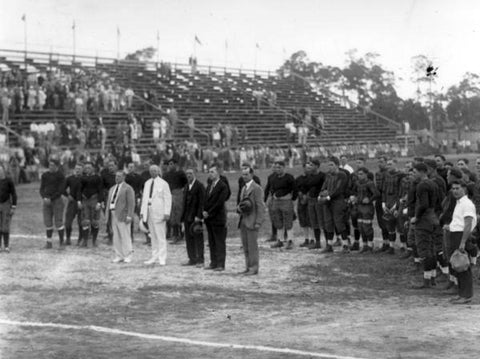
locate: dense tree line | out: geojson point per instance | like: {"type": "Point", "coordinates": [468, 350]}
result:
{"type": "Point", "coordinates": [365, 81]}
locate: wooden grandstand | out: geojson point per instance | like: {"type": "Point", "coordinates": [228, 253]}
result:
{"type": "Point", "coordinates": [209, 94]}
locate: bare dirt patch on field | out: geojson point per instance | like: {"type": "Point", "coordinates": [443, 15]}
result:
{"type": "Point", "coordinates": [346, 305]}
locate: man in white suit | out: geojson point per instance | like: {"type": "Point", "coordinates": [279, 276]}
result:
{"type": "Point", "coordinates": [121, 204]}
{"type": "Point", "coordinates": [155, 212]}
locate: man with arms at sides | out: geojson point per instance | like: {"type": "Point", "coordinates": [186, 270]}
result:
{"type": "Point", "coordinates": [364, 195]}
{"type": "Point", "coordinates": [121, 205]}
{"type": "Point", "coordinates": [315, 209]}
{"type": "Point", "coordinates": [251, 220]}
{"type": "Point", "coordinates": [177, 180]}
{"type": "Point", "coordinates": [332, 196]}
{"type": "Point", "coordinates": [90, 200]}
{"type": "Point", "coordinates": [425, 220]}
{"type": "Point", "coordinates": [302, 184]}
{"type": "Point", "coordinates": [71, 190]}
{"type": "Point", "coordinates": [268, 198]}
{"type": "Point", "coordinates": [155, 211]}
{"type": "Point", "coordinates": [390, 204]}
{"type": "Point", "coordinates": [52, 186]}
{"type": "Point", "coordinates": [135, 180]}
{"type": "Point", "coordinates": [464, 220]}
{"type": "Point", "coordinates": [379, 183]}
{"type": "Point", "coordinates": [107, 175]}
{"type": "Point", "coordinates": [215, 216]}
{"type": "Point", "coordinates": [194, 198]}
{"type": "Point", "coordinates": [284, 193]}
{"type": "Point", "coordinates": [8, 203]}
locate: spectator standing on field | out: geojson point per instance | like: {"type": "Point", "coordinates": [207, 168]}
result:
{"type": "Point", "coordinates": [8, 203]}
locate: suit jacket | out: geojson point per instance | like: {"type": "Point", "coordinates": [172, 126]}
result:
{"type": "Point", "coordinates": [125, 203]}
{"type": "Point", "coordinates": [161, 200]}
{"type": "Point", "coordinates": [193, 200]}
{"type": "Point", "coordinates": [215, 204]}
{"type": "Point", "coordinates": [257, 215]}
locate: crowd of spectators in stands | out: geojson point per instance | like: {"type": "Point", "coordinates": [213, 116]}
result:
{"type": "Point", "coordinates": [78, 91]}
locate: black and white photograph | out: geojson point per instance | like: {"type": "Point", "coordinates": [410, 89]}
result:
{"type": "Point", "coordinates": [214, 179]}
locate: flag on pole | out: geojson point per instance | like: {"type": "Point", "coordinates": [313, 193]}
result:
{"type": "Point", "coordinates": [197, 40]}
{"type": "Point", "coordinates": [73, 25]}
{"type": "Point", "coordinates": [257, 45]}
{"type": "Point", "coordinates": [158, 35]}
{"type": "Point", "coordinates": [118, 31]}
{"type": "Point", "coordinates": [24, 17]}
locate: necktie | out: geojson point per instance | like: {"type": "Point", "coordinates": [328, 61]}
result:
{"type": "Point", "coordinates": [151, 188]}
{"type": "Point", "coordinates": [115, 194]}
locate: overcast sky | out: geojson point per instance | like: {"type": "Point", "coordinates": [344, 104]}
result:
{"type": "Point", "coordinates": [446, 31]}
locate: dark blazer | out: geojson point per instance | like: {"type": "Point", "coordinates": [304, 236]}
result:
{"type": "Point", "coordinates": [215, 204]}
{"type": "Point", "coordinates": [193, 201]}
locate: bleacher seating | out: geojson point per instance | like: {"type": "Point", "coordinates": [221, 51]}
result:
{"type": "Point", "coordinates": [210, 95]}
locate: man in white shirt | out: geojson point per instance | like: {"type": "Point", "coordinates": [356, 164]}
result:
{"type": "Point", "coordinates": [155, 211]}
{"type": "Point", "coordinates": [464, 220]}
{"type": "Point", "coordinates": [121, 204]}
{"type": "Point", "coordinates": [344, 164]}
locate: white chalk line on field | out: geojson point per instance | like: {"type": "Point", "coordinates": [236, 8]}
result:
{"type": "Point", "coordinates": [99, 329]}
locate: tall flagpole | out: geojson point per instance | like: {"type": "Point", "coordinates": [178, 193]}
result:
{"type": "Point", "coordinates": [74, 40]}
{"type": "Point", "coordinates": [24, 19]}
{"type": "Point", "coordinates": [158, 47]}
{"type": "Point", "coordinates": [118, 43]}
{"type": "Point", "coordinates": [226, 53]}
{"type": "Point", "coordinates": [256, 55]}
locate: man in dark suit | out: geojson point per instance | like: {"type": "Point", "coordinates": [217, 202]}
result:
{"type": "Point", "coordinates": [252, 215]}
{"type": "Point", "coordinates": [215, 215]}
{"type": "Point", "coordinates": [194, 198]}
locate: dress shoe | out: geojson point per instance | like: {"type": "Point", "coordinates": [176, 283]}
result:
{"type": "Point", "coordinates": [210, 267]}
{"type": "Point", "coordinates": [243, 272]}
{"type": "Point", "coordinates": [68, 242]}
{"type": "Point", "coordinates": [199, 265]}
{"type": "Point", "coordinates": [117, 260]}
{"type": "Point", "coordinates": [462, 300]}
{"type": "Point", "coordinates": [278, 244]}
{"type": "Point", "coordinates": [391, 250]}
{"type": "Point", "coordinates": [251, 273]}
{"type": "Point", "coordinates": [272, 239]}
{"type": "Point", "coordinates": [289, 244]}
{"type": "Point", "coordinates": [48, 245]}
{"type": "Point", "coordinates": [408, 253]}
{"type": "Point", "coordinates": [345, 249]}
{"type": "Point", "coordinates": [189, 263]}
{"type": "Point", "coordinates": [127, 260]}
{"type": "Point", "coordinates": [7, 250]}
{"type": "Point", "coordinates": [150, 262]}
{"type": "Point", "coordinates": [219, 269]}
{"type": "Point", "coordinates": [314, 245]}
